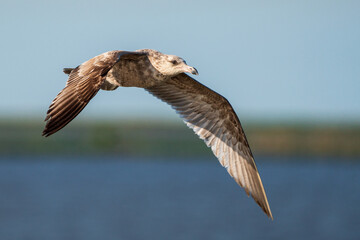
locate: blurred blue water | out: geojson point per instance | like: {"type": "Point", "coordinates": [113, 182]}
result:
{"type": "Point", "coordinates": [147, 199]}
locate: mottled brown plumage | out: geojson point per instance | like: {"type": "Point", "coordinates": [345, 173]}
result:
{"type": "Point", "coordinates": [209, 114]}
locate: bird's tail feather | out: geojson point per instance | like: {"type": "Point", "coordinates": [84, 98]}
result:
{"type": "Point", "coordinates": [67, 70]}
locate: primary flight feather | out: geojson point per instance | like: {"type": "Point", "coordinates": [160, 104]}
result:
{"type": "Point", "coordinates": [209, 114]}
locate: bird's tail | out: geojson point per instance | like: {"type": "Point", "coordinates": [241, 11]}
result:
{"type": "Point", "coordinates": [67, 70]}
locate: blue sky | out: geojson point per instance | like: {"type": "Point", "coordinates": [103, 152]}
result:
{"type": "Point", "coordinates": [270, 59]}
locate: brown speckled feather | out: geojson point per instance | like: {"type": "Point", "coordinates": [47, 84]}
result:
{"type": "Point", "coordinates": [83, 84]}
{"type": "Point", "coordinates": [213, 119]}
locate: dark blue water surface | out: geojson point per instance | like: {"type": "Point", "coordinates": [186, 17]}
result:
{"type": "Point", "coordinates": [117, 198]}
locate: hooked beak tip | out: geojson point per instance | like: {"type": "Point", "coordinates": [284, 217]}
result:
{"type": "Point", "coordinates": [194, 71]}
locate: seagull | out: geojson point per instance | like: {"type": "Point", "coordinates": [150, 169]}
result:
{"type": "Point", "coordinates": [209, 114]}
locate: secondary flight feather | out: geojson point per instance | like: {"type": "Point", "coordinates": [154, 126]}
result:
{"type": "Point", "coordinates": [208, 113]}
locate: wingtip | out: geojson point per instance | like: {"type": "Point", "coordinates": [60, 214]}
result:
{"type": "Point", "coordinates": [270, 215]}
{"type": "Point", "coordinates": [267, 211]}
{"type": "Point", "coordinates": [45, 133]}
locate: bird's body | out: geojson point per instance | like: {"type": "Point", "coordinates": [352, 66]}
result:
{"type": "Point", "coordinates": [133, 73]}
{"type": "Point", "coordinates": [209, 114]}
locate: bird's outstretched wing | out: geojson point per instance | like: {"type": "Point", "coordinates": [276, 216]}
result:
{"type": "Point", "coordinates": [213, 119]}
{"type": "Point", "coordinates": [83, 84]}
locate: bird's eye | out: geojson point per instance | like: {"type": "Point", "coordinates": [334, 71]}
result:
{"type": "Point", "coordinates": [174, 62]}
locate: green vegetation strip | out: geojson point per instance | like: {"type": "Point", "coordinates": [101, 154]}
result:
{"type": "Point", "coordinates": [173, 139]}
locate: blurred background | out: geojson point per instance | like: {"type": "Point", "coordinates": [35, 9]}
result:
{"type": "Point", "coordinates": [130, 169]}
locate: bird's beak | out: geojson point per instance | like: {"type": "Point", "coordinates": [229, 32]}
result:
{"type": "Point", "coordinates": [191, 70]}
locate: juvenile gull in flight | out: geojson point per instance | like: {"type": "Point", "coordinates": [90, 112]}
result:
{"type": "Point", "coordinates": [209, 114]}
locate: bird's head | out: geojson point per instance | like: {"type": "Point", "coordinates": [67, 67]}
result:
{"type": "Point", "coordinates": [170, 65]}
{"type": "Point", "coordinates": [174, 65]}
